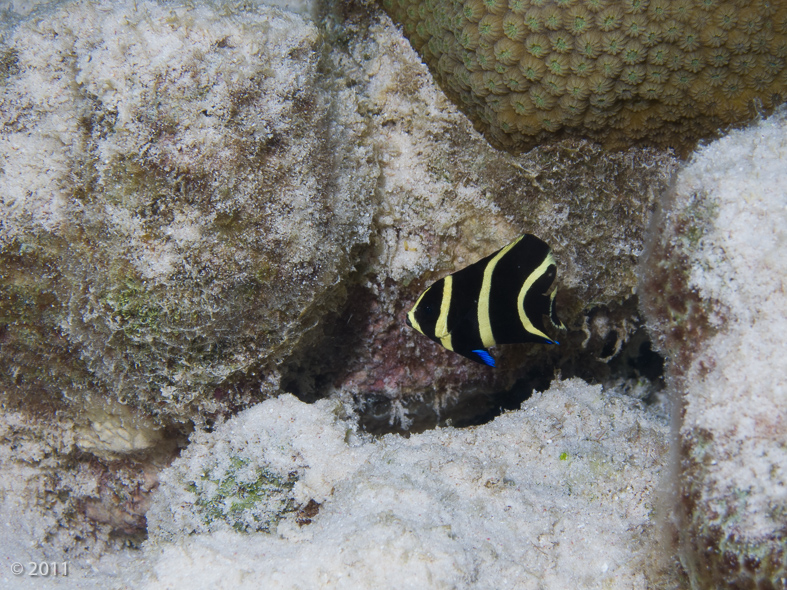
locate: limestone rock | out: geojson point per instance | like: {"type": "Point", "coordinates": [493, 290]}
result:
{"type": "Point", "coordinates": [560, 494]}
{"type": "Point", "coordinates": [205, 206]}
{"type": "Point", "coordinates": [447, 199]}
{"type": "Point", "coordinates": [713, 291]}
{"type": "Point", "coordinates": [182, 201]}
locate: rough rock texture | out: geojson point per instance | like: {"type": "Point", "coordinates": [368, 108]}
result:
{"type": "Point", "coordinates": [183, 193]}
{"type": "Point", "coordinates": [659, 72]}
{"type": "Point", "coordinates": [204, 206]}
{"type": "Point", "coordinates": [186, 215]}
{"type": "Point", "coordinates": [58, 503]}
{"type": "Point", "coordinates": [181, 202]}
{"type": "Point", "coordinates": [558, 495]}
{"type": "Point", "coordinates": [714, 293]}
{"type": "Point", "coordinates": [447, 199]}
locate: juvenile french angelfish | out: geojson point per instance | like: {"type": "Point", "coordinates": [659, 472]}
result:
{"type": "Point", "coordinates": [501, 299]}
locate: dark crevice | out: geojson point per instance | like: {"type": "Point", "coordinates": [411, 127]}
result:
{"type": "Point", "coordinates": [588, 355]}
{"type": "Point", "coordinates": [311, 374]}
{"type": "Point", "coordinates": [636, 360]}
{"type": "Point", "coordinates": [599, 353]}
{"type": "Point", "coordinates": [505, 401]}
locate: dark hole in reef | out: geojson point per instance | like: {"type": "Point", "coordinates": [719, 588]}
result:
{"type": "Point", "coordinates": [638, 360]}
{"type": "Point", "coordinates": [634, 362]}
{"type": "Point", "coordinates": [375, 412]}
{"type": "Point", "coordinates": [609, 344]}
{"type": "Point", "coordinates": [310, 375]}
{"type": "Point", "coordinates": [319, 368]}
{"type": "Point", "coordinates": [470, 410]}
{"type": "Point", "coordinates": [511, 399]}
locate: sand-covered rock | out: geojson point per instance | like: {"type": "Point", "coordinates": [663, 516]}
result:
{"type": "Point", "coordinates": [714, 292]}
{"type": "Point", "coordinates": [189, 196]}
{"type": "Point", "coordinates": [447, 199]}
{"type": "Point", "coordinates": [183, 197]}
{"type": "Point", "coordinates": [181, 202]}
{"type": "Point", "coordinates": [559, 494]}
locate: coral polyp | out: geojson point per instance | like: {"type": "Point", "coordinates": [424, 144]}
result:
{"type": "Point", "coordinates": [727, 61]}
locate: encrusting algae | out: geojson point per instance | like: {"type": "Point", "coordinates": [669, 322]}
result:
{"type": "Point", "coordinates": [623, 72]}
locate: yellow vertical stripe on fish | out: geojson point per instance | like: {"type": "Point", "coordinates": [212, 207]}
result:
{"type": "Point", "coordinates": [484, 323]}
{"type": "Point", "coordinates": [441, 328]}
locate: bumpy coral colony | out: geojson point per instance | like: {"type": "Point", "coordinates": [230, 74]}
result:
{"type": "Point", "coordinates": [662, 72]}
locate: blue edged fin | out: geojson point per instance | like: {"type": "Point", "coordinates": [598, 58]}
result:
{"type": "Point", "coordinates": [485, 357]}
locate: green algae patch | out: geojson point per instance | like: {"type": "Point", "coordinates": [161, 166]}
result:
{"type": "Point", "coordinates": [248, 499]}
{"type": "Point", "coordinates": [135, 311]}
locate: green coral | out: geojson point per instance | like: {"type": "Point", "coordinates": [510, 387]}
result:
{"type": "Point", "coordinates": [660, 72]}
{"type": "Point", "coordinates": [247, 500]}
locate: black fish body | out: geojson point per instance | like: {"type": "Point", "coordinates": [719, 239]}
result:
{"type": "Point", "coordinates": [501, 299]}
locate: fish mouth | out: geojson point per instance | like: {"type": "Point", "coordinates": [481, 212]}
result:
{"type": "Point", "coordinates": [407, 321]}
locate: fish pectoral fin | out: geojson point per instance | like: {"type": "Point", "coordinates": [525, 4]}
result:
{"type": "Point", "coordinates": [482, 356]}
{"type": "Point", "coordinates": [552, 314]}
{"type": "Point", "coordinates": [442, 334]}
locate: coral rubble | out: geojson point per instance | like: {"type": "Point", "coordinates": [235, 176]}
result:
{"type": "Point", "coordinates": [714, 293]}
{"type": "Point", "coordinates": [659, 72]}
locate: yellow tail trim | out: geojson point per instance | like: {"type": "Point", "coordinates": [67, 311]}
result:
{"type": "Point", "coordinates": [520, 300]}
